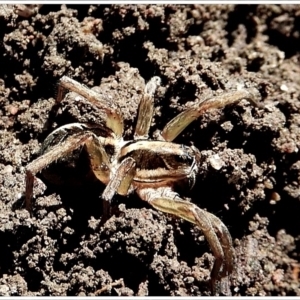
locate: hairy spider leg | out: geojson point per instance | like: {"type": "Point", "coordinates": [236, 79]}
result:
{"type": "Point", "coordinates": [145, 110]}
{"type": "Point", "coordinates": [119, 183]}
{"type": "Point", "coordinates": [226, 242]}
{"type": "Point", "coordinates": [166, 200]}
{"type": "Point", "coordinates": [182, 120]}
{"type": "Point", "coordinates": [98, 159]}
{"type": "Point", "coordinates": [113, 117]}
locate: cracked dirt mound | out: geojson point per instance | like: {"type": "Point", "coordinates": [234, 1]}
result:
{"type": "Point", "coordinates": [250, 172]}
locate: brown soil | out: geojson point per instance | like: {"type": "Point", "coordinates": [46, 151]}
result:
{"type": "Point", "coordinates": [251, 168]}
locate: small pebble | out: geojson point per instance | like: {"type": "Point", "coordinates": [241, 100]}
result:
{"type": "Point", "coordinates": [216, 162]}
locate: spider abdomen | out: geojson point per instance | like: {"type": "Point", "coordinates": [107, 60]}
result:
{"type": "Point", "coordinates": [72, 169]}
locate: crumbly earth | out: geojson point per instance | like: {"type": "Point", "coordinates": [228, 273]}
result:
{"type": "Point", "coordinates": [250, 170]}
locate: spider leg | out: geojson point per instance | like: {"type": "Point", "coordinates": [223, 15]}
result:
{"type": "Point", "coordinates": [112, 117]}
{"type": "Point", "coordinates": [98, 159]}
{"type": "Point", "coordinates": [181, 121]}
{"type": "Point", "coordinates": [146, 108]}
{"type": "Point", "coordinates": [226, 242]}
{"type": "Point", "coordinates": [166, 200]}
{"type": "Point", "coordinates": [119, 183]}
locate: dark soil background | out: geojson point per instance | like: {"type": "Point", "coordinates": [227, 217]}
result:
{"type": "Point", "coordinates": [251, 165]}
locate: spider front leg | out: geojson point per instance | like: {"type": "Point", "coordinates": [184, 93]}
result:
{"type": "Point", "coordinates": [98, 159]}
{"type": "Point", "coordinates": [119, 183]}
{"type": "Point", "coordinates": [181, 121]}
{"type": "Point", "coordinates": [112, 115]}
{"type": "Point", "coordinates": [146, 108]}
{"type": "Point", "coordinates": [216, 233]}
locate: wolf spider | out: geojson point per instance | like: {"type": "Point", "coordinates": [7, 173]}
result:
{"type": "Point", "coordinates": [151, 168]}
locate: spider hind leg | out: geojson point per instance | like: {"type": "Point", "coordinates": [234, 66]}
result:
{"type": "Point", "coordinates": [216, 233]}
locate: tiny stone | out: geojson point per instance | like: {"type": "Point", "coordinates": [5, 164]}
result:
{"type": "Point", "coordinates": [216, 162]}
{"type": "Point", "coordinates": [275, 197]}
{"type": "Point", "coordinates": [13, 110]}
{"type": "Point", "coordinates": [8, 169]}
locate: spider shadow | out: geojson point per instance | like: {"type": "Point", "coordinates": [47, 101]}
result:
{"type": "Point", "coordinates": [84, 201]}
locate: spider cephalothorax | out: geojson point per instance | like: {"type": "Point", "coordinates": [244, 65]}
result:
{"type": "Point", "coordinates": [151, 168]}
